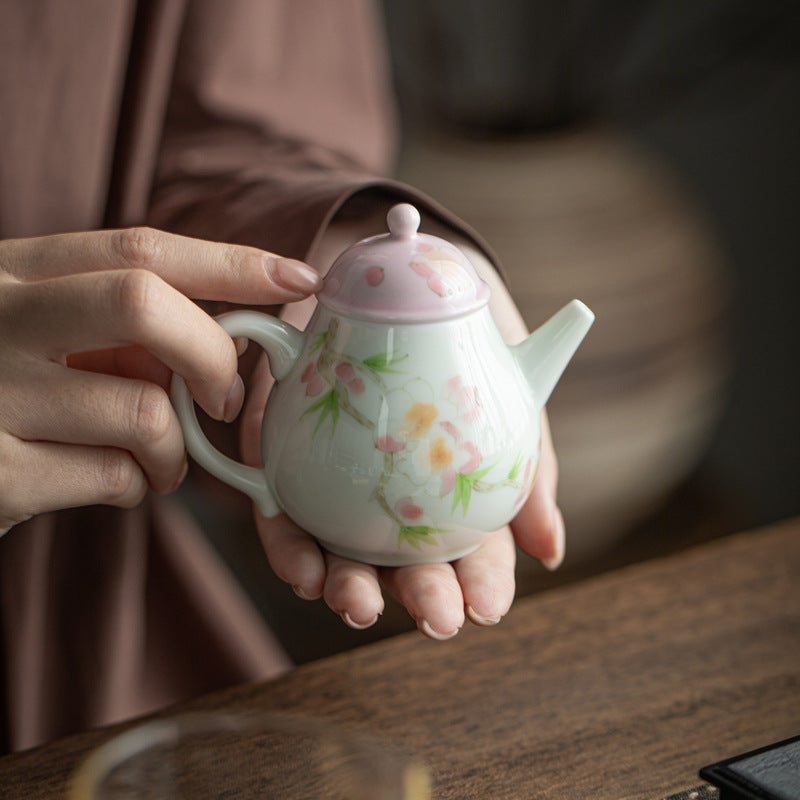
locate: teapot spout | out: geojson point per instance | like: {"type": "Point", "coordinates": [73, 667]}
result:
{"type": "Point", "coordinates": [544, 355]}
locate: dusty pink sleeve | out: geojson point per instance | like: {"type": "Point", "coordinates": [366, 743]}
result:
{"type": "Point", "coordinates": [279, 113]}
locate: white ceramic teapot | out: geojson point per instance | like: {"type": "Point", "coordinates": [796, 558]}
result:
{"type": "Point", "coordinates": [401, 429]}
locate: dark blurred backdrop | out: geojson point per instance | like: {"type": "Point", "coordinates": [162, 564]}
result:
{"type": "Point", "coordinates": [691, 101]}
{"type": "Point", "coordinates": [643, 156]}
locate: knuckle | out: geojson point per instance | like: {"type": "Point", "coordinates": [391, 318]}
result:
{"type": "Point", "coordinates": [231, 263]}
{"type": "Point", "coordinates": [19, 303]}
{"type": "Point", "coordinates": [120, 479]}
{"type": "Point", "coordinates": [15, 501]}
{"type": "Point", "coordinates": [135, 293]}
{"type": "Point", "coordinates": [222, 358]}
{"type": "Point", "coordinates": [152, 414]}
{"type": "Point", "coordinates": [138, 247]}
{"type": "Point", "coordinates": [435, 591]}
{"type": "Point", "coordinates": [219, 365]}
{"type": "Point", "coordinates": [11, 514]}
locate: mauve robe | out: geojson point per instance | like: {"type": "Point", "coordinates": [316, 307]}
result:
{"type": "Point", "coordinates": [241, 121]}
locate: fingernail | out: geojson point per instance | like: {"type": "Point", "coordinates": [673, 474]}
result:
{"type": "Point", "coordinates": [478, 619]}
{"type": "Point", "coordinates": [303, 594]}
{"type": "Point", "coordinates": [234, 400]}
{"type": "Point", "coordinates": [425, 627]}
{"type": "Point", "coordinates": [241, 342]}
{"type": "Point", "coordinates": [184, 470]}
{"type": "Point", "coordinates": [294, 275]}
{"type": "Point", "coordinates": [348, 620]}
{"type": "Point", "coordinates": [555, 561]}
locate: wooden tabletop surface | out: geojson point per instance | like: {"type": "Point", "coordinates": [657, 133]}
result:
{"type": "Point", "coordinates": [619, 687]}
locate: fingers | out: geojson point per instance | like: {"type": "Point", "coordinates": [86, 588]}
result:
{"type": "Point", "coordinates": [196, 268]}
{"type": "Point", "coordinates": [261, 382]}
{"type": "Point", "coordinates": [353, 592]}
{"type": "Point", "coordinates": [539, 525]}
{"type": "Point", "coordinates": [135, 307]}
{"type": "Point", "coordinates": [435, 595]}
{"type": "Point", "coordinates": [58, 404]}
{"type": "Point", "coordinates": [293, 555]}
{"type": "Point", "coordinates": [258, 388]}
{"type": "Point", "coordinates": [438, 596]}
{"type": "Point", "coordinates": [110, 311]}
{"type": "Point", "coordinates": [124, 362]}
{"type": "Point", "coordinates": [487, 579]}
{"type": "Point", "coordinates": [431, 594]}
{"type": "Point", "coordinates": [350, 589]}
{"type": "Point", "coordinates": [41, 477]}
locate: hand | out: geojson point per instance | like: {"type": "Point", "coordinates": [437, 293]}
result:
{"type": "Point", "coordinates": [91, 327]}
{"type": "Point", "coordinates": [479, 586]}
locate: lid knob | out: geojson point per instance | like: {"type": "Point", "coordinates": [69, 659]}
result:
{"type": "Point", "coordinates": [403, 276]}
{"type": "Point", "coordinates": [403, 221]}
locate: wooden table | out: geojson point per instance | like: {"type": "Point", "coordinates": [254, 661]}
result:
{"type": "Point", "coordinates": [618, 687]}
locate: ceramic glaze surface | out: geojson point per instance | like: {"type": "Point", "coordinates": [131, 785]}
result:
{"type": "Point", "coordinates": [403, 276]}
{"type": "Point", "coordinates": [401, 429]}
{"type": "Point", "coordinates": [397, 458]}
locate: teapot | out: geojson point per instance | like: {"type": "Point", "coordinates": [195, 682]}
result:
{"type": "Point", "coordinates": [401, 428]}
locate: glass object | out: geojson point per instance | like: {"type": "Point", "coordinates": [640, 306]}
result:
{"type": "Point", "coordinates": [262, 755]}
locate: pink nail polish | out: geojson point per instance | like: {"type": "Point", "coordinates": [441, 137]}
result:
{"type": "Point", "coordinates": [295, 276]}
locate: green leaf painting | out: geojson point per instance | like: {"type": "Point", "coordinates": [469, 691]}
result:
{"type": "Point", "coordinates": [383, 362]}
{"type": "Point", "coordinates": [515, 470]}
{"type": "Point", "coordinates": [342, 384]}
{"type": "Point", "coordinates": [416, 535]}
{"type": "Point", "coordinates": [319, 340]}
{"type": "Point", "coordinates": [462, 493]}
{"type": "Point", "coordinates": [327, 405]}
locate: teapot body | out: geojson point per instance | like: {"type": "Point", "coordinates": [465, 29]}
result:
{"type": "Point", "coordinates": [401, 428]}
{"type": "Point", "coordinates": [401, 443]}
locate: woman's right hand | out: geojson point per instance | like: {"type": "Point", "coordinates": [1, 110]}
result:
{"type": "Point", "coordinates": [92, 325]}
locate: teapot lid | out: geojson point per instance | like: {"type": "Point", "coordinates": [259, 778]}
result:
{"type": "Point", "coordinates": [403, 276]}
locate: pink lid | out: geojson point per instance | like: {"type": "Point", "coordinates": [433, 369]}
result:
{"type": "Point", "coordinates": [403, 276]}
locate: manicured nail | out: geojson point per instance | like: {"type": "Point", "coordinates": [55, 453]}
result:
{"type": "Point", "coordinates": [555, 561]}
{"type": "Point", "coordinates": [425, 627]}
{"type": "Point", "coordinates": [184, 470]}
{"type": "Point", "coordinates": [348, 620]}
{"type": "Point", "coordinates": [479, 619]}
{"type": "Point", "coordinates": [234, 400]}
{"type": "Point", "coordinates": [241, 342]}
{"type": "Point", "coordinates": [294, 276]}
{"type": "Point", "coordinates": [303, 594]}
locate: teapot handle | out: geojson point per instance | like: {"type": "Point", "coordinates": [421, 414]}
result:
{"type": "Point", "coordinates": [283, 343]}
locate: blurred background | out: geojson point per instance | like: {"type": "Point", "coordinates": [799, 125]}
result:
{"type": "Point", "coordinates": [643, 156]}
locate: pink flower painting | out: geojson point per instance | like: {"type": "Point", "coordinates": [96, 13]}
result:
{"type": "Point", "coordinates": [439, 269]}
{"type": "Point", "coordinates": [426, 433]}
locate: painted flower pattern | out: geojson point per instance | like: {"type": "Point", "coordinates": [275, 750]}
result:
{"type": "Point", "coordinates": [440, 269]}
{"type": "Point", "coordinates": [444, 455]}
{"type": "Point", "coordinates": [422, 433]}
{"type": "Point", "coordinates": [312, 380]}
{"type": "Point", "coordinates": [419, 419]}
{"type": "Point", "coordinates": [464, 398]}
{"type": "Point", "coordinates": [345, 372]}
